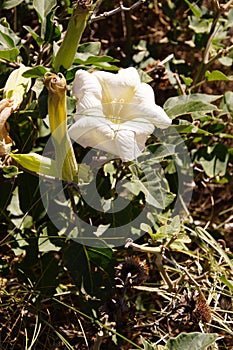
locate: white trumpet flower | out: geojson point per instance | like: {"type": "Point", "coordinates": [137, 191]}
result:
{"type": "Point", "coordinates": [115, 112]}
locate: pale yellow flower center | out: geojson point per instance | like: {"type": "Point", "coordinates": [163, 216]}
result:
{"type": "Point", "coordinates": [113, 110]}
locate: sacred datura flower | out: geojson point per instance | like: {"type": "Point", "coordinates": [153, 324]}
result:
{"type": "Point", "coordinates": [115, 112]}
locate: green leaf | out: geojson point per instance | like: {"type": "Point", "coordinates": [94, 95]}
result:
{"type": "Point", "coordinates": [102, 62]}
{"type": "Point", "coordinates": [9, 4]}
{"type": "Point", "coordinates": [136, 186]}
{"type": "Point", "coordinates": [36, 163]}
{"type": "Point", "coordinates": [181, 105]}
{"type": "Point", "coordinates": [10, 171]}
{"type": "Point", "coordinates": [35, 36]}
{"type": "Point", "coordinates": [35, 72]}
{"type": "Point", "coordinates": [228, 283]}
{"type": "Point", "coordinates": [190, 129]}
{"type": "Point", "coordinates": [191, 341]}
{"type": "Point", "coordinates": [188, 81]}
{"type": "Point", "coordinates": [194, 8]}
{"type": "Point", "coordinates": [200, 25]}
{"type": "Point", "coordinates": [214, 159]}
{"type": "Point", "coordinates": [43, 8]}
{"type": "Point", "coordinates": [217, 75]}
{"type": "Point", "coordinates": [173, 101]}
{"type": "Point", "coordinates": [9, 55]}
{"type": "Point", "coordinates": [44, 242]}
{"type": "Point", "coordinates": [8, 38]}
{"type": "Point", "coordinates": [17, 85]}
{"type": "Point", "coordinates": [148, 345]}
{"type": "Point", "coordinates": [8, 42]}
{"type": "Point", "coordinates": [227, 103]}
{"type": "Point", "coordinates": [92, 48]}
{"type": "Point", "coordinates": [189, 108]}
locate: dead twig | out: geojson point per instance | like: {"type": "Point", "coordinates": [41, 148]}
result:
{"type": "Point", "coordinates": [121, 8]}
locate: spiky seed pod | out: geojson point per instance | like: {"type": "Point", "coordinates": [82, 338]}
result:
{"type": "Point", "coordinates": [132, 271]}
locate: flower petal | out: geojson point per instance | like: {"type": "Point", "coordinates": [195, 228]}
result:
{"type": "Point", "coordinates": [143, 106]}
{"type": "Point", "coordinates": [104, 135]}
{"type": "Point", "coordinates": [120, 86]}
{"type": "Point", "coordinates": [87, 90]}
{"type": "Point", "coordinates": [127, 147]}
{"type": "Point", "coordinates": [90, 131]}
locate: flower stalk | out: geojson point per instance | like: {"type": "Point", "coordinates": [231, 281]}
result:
{"type": "Point", "coordinates": [77, 24]}
{"type": "Point", "coordinates": [65, 158]}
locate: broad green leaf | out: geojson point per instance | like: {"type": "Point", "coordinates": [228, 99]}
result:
{"type": "Point", "coordinates": [91, 48]}
{"type": "Point", "coordinates": [100, 59]}
{"type": "Point", "coordinates": [103, 62]}
{"type": "Point", "coordinates": [196, 103]}
{"type": "Point", "coordinates": [44, 242]}
{"type": "Point", "coordinates": [227, 103]}
{"type": "Point", "coordinates": [191, 341]}
{"type": "Point", "coordinates": [37, 163]}
{"type": "Point", "coordinates": [8, 44]}
{"type": "Point", "coordinates": [190, 129]}
{"type": "Point", "coordinates": [35, 36]}
{"type": "Point", "coordinates": [17, 85]}
{"type": "Point", "coordinates": [136, 186]}
{"type": "Point", "coordinates": [20, 245]}
{"type": "Point", "coordinates": [217, 75]}
{"type": "Point", "coordinates": [8, 38]}
{"type": "Point", "coordinates": [189, 108]}
{"type": "Point", "coordinates": [173, 101]}
{"type": "Point", "coordinates": [35, 72]}
{"type": "Point", "coordinates": [9, 54]}
{"type": "Point", "coordinates": [200, 25]}
{"type": "Point", "coordinates": [214, 159]}
{"type": "Point", "coordinates": [226, 61]}
{"type": "Point", "coordinates": [43, 8]}
{"type": "Point", "coordinates": [9, 4]}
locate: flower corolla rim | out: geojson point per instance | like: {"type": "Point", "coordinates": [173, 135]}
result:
{"type": "Point", "coordinates": [115, 112]}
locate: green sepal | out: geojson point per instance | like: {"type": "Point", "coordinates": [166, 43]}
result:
{"type": "Point", "coordinates": [37, 164]}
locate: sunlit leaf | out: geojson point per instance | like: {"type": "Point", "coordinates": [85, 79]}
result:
{"type": "Point", "coordinates": [45, 244]}
{"type": "Point", "coordinates": [35, 36]}
{"type": "Point", "coordinates": [228, 283]}
{"type": "Point", "coordinates": [9, 42]}
{"type": "Point", "coordinates": [214, 159]}
{"type": "Point", "coordinates": [181, 105]}
{"type": "Point", "coordinates": [43, 8]}
{"type": "Point", "coordinates": [194, 8]}
{"type": "Point", "coordinates": [91, 48]}
{"type": "Point", "coordinates": [227, 103]}
{"type": "Point", "coordinates": [200, 25]}
{"type": "Point", "coordinates": [217, 75]}
{"type": "Point", "coordinates": [191, 341]}
{"type": "Point", "coordinates": [17, 85]}
{"type": "Point", "coordinates": [35, 72]}
{"type": "Point", "coordinates": [8, 4]}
